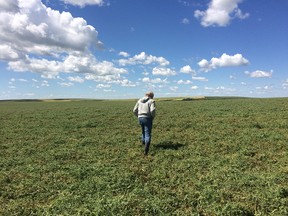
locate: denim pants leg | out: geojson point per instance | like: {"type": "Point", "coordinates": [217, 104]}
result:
{"type": "Point", "coordinates": [146, 125]}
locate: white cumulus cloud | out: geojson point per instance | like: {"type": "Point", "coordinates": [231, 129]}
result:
{"type": "Point", "coordinates": [187, 69]}
{"type": "Point", "coordinates": [144, 59]}
{"type": "Point", "coordinates": [259, 74]}
{"type": "Point", "coordinates": [224, 61]}
{"type": "Point", "coordinates": [163, 71]}
{"type": "Point", "coordinates": [76, 79]}
{"type": "Point", "coordinates": [10, 5]}
{"type": "Point", "coordinates": [36, 38]}
{"type": "Point", "coordinates": [185, 21]}
{"type": "Point", "coordinates": [157, 80]}
{"type": "Point", "coordinates": [73, 63]}
{"type": "Point", "coordinates": [35, 28]}
{"type": "Point", "coordinates": [185, 82]}
{"type": "Point", "coordinates": [7, 53]}
{"type": "Point", "coordinates": [83, 3]}
{"type": "Point", "coordinates": [124, 54]}
{"type": "Point", "coordinates": [220, 13]}
{"type": "Point", "coordinates": [103, 85]}
{"type": "Point", "coordinates": [194, 87]}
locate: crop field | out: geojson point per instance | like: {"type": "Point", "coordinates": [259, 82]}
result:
{"type": "Point", "coordinates": [214, 156]}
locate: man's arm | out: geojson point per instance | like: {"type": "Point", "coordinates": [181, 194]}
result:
{"type": "Point", "coordinates": [135, 110]}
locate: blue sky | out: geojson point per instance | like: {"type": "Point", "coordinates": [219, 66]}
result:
{"type": "Point", "coordinates": [116, 49]}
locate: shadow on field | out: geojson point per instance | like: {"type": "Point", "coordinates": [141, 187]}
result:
{"type": "Point", "coordinates": [169, 145]}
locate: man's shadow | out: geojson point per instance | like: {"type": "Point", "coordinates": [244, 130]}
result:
{"type": "Point", "coordinates": [169, 145]}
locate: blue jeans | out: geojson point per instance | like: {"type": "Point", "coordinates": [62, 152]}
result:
{"type": "Point", "coordinates": [146, 125]}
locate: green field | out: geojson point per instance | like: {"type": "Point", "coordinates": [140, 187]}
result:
{"type": "Point", "coordinates": [207, 157]}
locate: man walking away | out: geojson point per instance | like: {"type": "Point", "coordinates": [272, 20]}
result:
{"type": "Point", "coordinates": [145, 110]}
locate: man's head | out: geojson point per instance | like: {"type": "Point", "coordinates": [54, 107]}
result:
{"type": "Point", "coordinates": [150, 95]}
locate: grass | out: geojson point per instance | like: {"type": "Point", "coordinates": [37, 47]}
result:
{"type": "Point", "coordinates": [208, 157]}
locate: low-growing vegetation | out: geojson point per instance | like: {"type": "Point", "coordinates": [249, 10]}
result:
{"type": "Point", "coordinates": [208, 157]}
